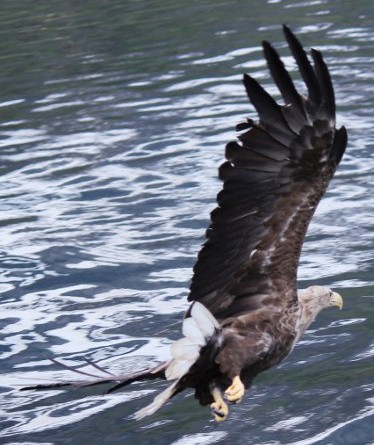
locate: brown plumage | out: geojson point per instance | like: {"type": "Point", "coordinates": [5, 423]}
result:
{"type": "Point", "coordinates": [246, 313]}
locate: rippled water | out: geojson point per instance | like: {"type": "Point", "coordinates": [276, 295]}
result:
{"type": "Point", "coordinates": [114, 117]}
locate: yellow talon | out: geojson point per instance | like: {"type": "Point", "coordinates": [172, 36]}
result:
{"type": "Point", "coordinates": [235, 392]}
{"type": "Point", "coordinates": [219, 408]}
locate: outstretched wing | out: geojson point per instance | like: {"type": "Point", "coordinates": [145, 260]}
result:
{"type": "Point", "coordinates": [272, 183]}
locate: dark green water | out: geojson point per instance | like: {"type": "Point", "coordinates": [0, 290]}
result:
{"type": "Point", "coordinates": [114, 117]}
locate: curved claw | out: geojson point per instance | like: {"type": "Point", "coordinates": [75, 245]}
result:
{"type": "Point", "coordinates": [220, 411]}
{"type": "Point", "coordinates": [235, 392]}
{"type": "Point", "coordinates": [219, 408]}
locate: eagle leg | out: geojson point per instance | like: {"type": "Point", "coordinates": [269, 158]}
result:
{"type": "Point", "coordinates": [219, 408]}
{"type": "Point", "coordinates": [235, 392]}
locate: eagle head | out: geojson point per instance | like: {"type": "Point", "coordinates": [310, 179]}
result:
{"type": "Point", "coordinates": [317, 298]}
{"type": "Point", "coordinates": [313, 300]}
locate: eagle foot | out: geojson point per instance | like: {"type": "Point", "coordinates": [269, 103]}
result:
{"type": "Point", "coordinates": [219, 408]}
{"type": "Point", "coordinates": [235, 392]}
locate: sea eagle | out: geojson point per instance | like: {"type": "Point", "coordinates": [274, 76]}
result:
{"type": "Point", "coordinates": [246, 313]}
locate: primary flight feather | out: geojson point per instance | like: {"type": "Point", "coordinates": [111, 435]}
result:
{"type": "Point", "coordinates": [246, 313]}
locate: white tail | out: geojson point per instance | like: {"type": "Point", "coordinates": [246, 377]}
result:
{"type": "Point", "coordinates": [197, 329]}
{"type": "Point", "coordinates": [158, 401]}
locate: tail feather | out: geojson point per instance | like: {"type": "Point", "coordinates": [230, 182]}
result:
{"type": "Point", "coordinates": [157, 402]}
{"type": "Point", "coordinates": [191, 331]}
{"type": "Point", "coordinates": [198, 328]}
{"type": "Point", "coordinates": [184, 349]}
{"type": "Point", "coordinates": [204, 319]}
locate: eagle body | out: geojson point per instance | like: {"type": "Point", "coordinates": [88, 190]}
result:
{"type": "Point", "coordinates": [246, 313]}
{"type": "Point", "coordinates": [254, 342]}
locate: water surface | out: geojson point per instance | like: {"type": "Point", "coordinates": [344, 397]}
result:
{"type": "Point", "coordinates": [114, 117]}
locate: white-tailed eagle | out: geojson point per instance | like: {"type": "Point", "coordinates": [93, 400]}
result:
{"type": "Point", "coordinates": [246, 313]}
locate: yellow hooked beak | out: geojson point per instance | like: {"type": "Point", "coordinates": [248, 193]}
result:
{"type": "Point", "coordinates": [336, 300]}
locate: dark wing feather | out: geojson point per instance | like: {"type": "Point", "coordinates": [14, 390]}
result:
{"type": "Point", "coordinates": [272, 183]}
{"type": "Point", "coordinates": [268, 110]}
{"type": "Point", "coordinates": [294, 113]}
{"type": "Point", "coordinates": [306, 70]}
{"type": "Point", "coordinates": [324, 80]}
